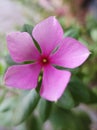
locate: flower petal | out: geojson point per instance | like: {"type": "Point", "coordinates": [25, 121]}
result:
{"type": "Point", "coordinates": [48, 34]}
{"type": "Point", "coordinates": [71, 54]}
{"type": "Point", "coordinates": [54, 83]}
{"type": "Point", "coordinates": [22, 76]}
{"type": "Point", "coordinates": [21, 47]}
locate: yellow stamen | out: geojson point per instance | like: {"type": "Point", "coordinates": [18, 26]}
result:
{"type": "Point", "coordinates": [44, 60]}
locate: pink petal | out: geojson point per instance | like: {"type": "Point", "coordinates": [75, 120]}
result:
{"type": "Point", "coordinates": [54, 83]}
{"type": "Point", "coordinates": [22, 76]}
{"type": "Point", "coordinates": [48, 34]}
{"type": "Point", "coordinates": [71, 54]}
{"type": "Point", "coordinates": [21, 47]}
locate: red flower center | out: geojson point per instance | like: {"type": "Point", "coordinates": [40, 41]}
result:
{"type": "Point", "coordinates": [44, 60]}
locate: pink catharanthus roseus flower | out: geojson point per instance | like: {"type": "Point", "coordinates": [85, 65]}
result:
{"type": "Point", "coordinates": [49, 35]}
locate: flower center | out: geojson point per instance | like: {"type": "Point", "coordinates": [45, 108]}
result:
{"type": "Point", "coordinates": [44, 60]}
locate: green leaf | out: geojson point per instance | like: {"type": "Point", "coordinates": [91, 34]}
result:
{"type": "Point", "coordinates": [44, 108]}
{"type": "Point", "coordinates": [81, 92]}
{"type": "Point", "coordinates": [2, 95]}
{"type": "Point", "coordinates": [84, 119]}
{"type": "Point", "coordinates": [25, 107]}
{"type": "Point", "coordinates": [2, 67]}
{"type": "Point", "coordinates": [66, 101]}
{"type": "Point", "coordinates": [6, 118]}
{"type": "Point", "coordinates": [37, 45]}
{"type": "Point", "coordinates": [68, 120]}
{"type": "Point", "coordinates": [27, 28]}
{"type": "Point", "coordinates": [20, 127]}
{"type": "Point", "coordinates": [33, 123]}
{"type": "Point", "coordinates": [7, 104]}
{"type": "Point", "coordinates": [93, 33]}
{"type": "Point", "coordinates": [93, 97]}
{"type": "Point", "coordinates": [72, 33]}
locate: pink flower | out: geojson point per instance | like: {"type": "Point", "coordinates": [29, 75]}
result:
{"type": "Point", "coordinates": [49, 35]}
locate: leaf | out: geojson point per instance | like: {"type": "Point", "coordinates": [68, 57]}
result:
{"type": "Point", "coordinates": [2, 95]}
{"type": "Point", "coordinates": [72, 33]}
{"type": "Point", "coordinates": [79, 91]}
{"type": "Point", "coordinates": [93, 97]}
{"type": "Point", "coordinates": [27, 28]}
{"type": "Point", "coordinates": [93, 34]}
{"type": "Point", "coordinates": [37, 45]}
{"type": "Point", "coordinates": [33, 123]}
{"type": "Point", "coordinates": [25, 107]}
{"type": "Point", "coordinates": [68, 120]}
{"type": "Point", "coordinates": [84, 119]}
{"type": "Point", "coordinates": [7, 104]}
{"type": "Point", "coordinates": [2, 67]}
{"type": "Point", "coordinates": [44, 108]}
{"type": "Point", "coordinates": [66, 101]}
{"type": "Point", "coordinates": [6, 118]}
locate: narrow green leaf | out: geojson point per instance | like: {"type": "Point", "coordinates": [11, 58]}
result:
{"type": "Point", "coordinates": [93, 97]}
{"type": "Point", "coordinates": [79, 91]}
{"type": "Point", "coordinates": [44, 108]}
{"type": "Point", "coordinates": [2, 95]}
{"type": "Point", "coordinates": [6, 118]}
{"type": "Point", "coordinates": [7, 104]}
{"type": "Point", "coordinates": [72, 33]}
{"type": "Point", "coordinates": [68, 120]}
{"type": "Point", "coordinates": [2, 67]}
{"type": "Point", "coordinates": [84, 119]}
{"type": "Point", "coordinates": [25, 107]}
{"type": "Point", "coordinates": [27, 28]}
{"type": "Point", "coordinates": [37, 45]}
{"type": "Point", "coordinates": [66, 101]}
{"type": "Point", "coordinates": [93, 34]}
{"type": "Point", "coordinates": [63, 119]}
{"type": "Point", "coordinates": [33, 123]}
